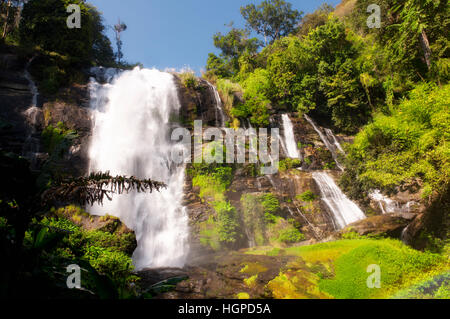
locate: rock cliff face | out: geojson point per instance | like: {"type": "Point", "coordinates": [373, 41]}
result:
{"type": "Point", "coordinates": [22, 123]}
{"type": "Point", "coordinates": [15, 100]}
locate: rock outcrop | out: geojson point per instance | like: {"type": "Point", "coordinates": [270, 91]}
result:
{"type": "Point", "coordinates": [389, 225]}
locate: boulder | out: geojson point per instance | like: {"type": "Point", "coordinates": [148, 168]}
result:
{"type": "Point", "coordinates": [391, 225]}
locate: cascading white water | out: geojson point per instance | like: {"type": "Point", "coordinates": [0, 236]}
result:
{"type": "Point", "coordinates": [220, 115]}
{"type": "Point", "coordinates": [289, 138]}
{"type": "Point", "coordinates": [333, 137]}
{"type": "Point", "coordinates": [32, 85]}
{"type": "Point", "coordinates": [131, 136]}
{"type": "Point", "coordinates": [31, 146]}
{"type": "Point", "coordinates": [343, 209]}
{"type": "Point", "coordinates": [327, 143]}
{"type": "Point", "coordinates": [388, 205]}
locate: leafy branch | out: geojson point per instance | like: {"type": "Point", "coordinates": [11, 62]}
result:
{"type": "Point", "coordinates": [95, 187]}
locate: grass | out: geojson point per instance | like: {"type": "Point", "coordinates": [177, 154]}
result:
{"type": "Point", "coordinates": [401, 268]}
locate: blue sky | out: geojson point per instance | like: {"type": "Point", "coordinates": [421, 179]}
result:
{"type": "Point", "coordinates": [177, 33]}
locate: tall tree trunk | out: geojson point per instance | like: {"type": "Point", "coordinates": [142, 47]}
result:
{"type": "Point", "coordinates": [426, 48]}
{"type": "Point", "coordinates": [5, 26]}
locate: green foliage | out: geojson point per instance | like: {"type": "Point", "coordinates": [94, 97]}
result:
{"type": "Point", "coordinates": [307, 196]}
{"type": "Point", "coordinates": [227, 220]}
{"type": "Point", "coordinates": [405, 272]}
{"type": "Point", "coordinates": [436, 288]}
{"type": "Point", "coordinates": [319, 74]}
{"type": "Point", "coordinates": [57, 140]}
{"type": "Point", "coordinates": [221, 230]}
{"type": "Point", "coordinates": [270, 203]}
{"type": "Point", "coordinates": [408, 147]}
{"type": "Point", "coordinates": [289, 163]}
{"type": "Point", "coordinates": [60, 52]}
{"type": "Point", "coordinates": [404, 24]}
{"type": "Point", "coordinates": [233, 45]}
{"type": "Point", "coordinates": [313, 20]}
{"type": "Point", "coordinates": [256, 88]}
{"type": "Point", "coordinates": [43, 24]}
{"type": "Point", "coordinates": [290, 236]}
{"type": "Point", "coordinates": [228, 89]}
{"type": "Point", "coordinates": [400, 266]}
{"type": "Point", "coordinates": [213, 181]}
{"type": "Point", "coordinates": [261, 223]}
{"type": "Point", "coordinates": [107, 253]}
{"type": "Point", "coordinates": [189, 80]}
{"type": "Point", "coordinates": [217, 66]}
{"type": "Point", "coordinates": [272, 18]}
{"type": "Point", "coordinates": [209, 235]}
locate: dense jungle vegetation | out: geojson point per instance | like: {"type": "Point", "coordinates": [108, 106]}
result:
{"type": "Point", "coordinates": [387, 87]}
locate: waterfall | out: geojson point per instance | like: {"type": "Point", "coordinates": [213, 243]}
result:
{"type": "Point", "coordinates": [327, 143]}
{"type": "Point", "coordinates": [289, 138]}
{"type": "Point", "coordinates": [31, 147]}
{"type": "Point", "coordinates": [220, 116]}
{"type": "Point", "coordinates": [343, 209]}
{"type": "Point", "coordinates": [388, 205]}
{"type": "Point", "coordinates": [32, 85]}
{"type": "Point", "coordinates": [131, 136]}
{"type": "Point", "coordinates": [336, 143]}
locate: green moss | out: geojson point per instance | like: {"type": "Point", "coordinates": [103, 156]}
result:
{"type": "Point", "coordinates": [209, 235]}
{"type": "Point", "coordinates": [400, 267]}
{"type": "Point", "coordinates": [252, 281]}
{"type": "Point", "coordinates": [341, 267]}
{"type": "Point", "coordinates": [253, 269]}
{"type": "Point", "coordinates": [243, 295]}
{"type": "Point", "coordinates": [296, 284]}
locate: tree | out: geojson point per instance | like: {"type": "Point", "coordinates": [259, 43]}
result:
{"type": "Point", "coordinates": [118, 29]}
{"type": "Point", "coordinates": [315, 19]}
{"type": "Point", "coordinates": [272, 19]}
{"type": "Point", "coordinates": [10, 12]}
{"type": "Point", "coordinates": [103, 53]}
{"type": "Point", "coordinates": [413, 35]}
{"type": "Point", "coordinates": [233, 45]}
{"type": "Point", "coordinates": [318, 74]}
{"type": "Point", "coordinates": [44, 24]}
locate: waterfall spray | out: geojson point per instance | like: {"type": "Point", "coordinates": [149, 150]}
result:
{"type": "Point", "coordinates": [131, 136]}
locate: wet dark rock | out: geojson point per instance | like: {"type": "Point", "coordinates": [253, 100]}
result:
{"type": "Point", "coordinates": [390, 225]}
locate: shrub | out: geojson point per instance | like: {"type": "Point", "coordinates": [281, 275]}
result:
{"type": "Point", "coordinates": [227, 220]}
{"type": "Point", "coordinates": [290, 236]}
{"type": "Point", "coordinates": [410, 146]}
{"type": "Point", "coordinates": [189, 80]}
{"type": "Point", "coordinates": [270, 203]}
{"type": "Point", "coordinates": [307, 196]}
{"type": "Point", "coordinates": [289, 163]}
{"type": "Point", "coordinates": [57, 140]}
